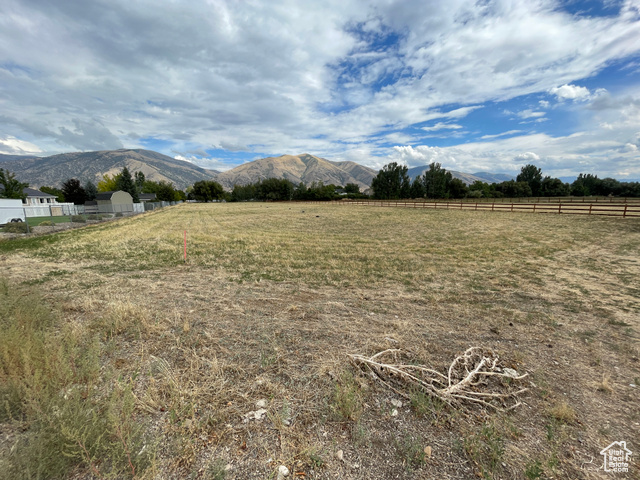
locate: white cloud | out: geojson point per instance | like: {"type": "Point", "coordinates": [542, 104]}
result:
{"type": "Point", "coordinates": [442, 126]}
{"type": "Point", "coordinates": [570, 92]}
{"type": "Point", "coordinates": [13, 146]}
{"type": "Point", "coordinates": [527, 157]}
{"type": "Point", "coordinates": [530, 114]}
{"type": "Point", "coordinates": [503, 134]}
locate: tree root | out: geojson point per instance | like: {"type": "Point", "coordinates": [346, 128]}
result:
{"type": "Point", "coordinates": [474, 377]}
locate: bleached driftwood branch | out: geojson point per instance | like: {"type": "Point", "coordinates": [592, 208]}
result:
{"type": "Point", "coordinates": [474, 376]}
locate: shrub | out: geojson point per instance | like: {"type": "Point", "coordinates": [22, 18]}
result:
{"type": "Point", "coordinates": [17, 227]}
{"type": "Point", "coordinates": [78, 219]}
{"type": "Point", "coordinates": [93, 216]}
{"type": "Point", "coordinates": [118, 214]}
{"type": "Point", "coordinates": [46, 223]}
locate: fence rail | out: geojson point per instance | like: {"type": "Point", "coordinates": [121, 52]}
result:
{"type": "Point", "coordinates": [569, 208]}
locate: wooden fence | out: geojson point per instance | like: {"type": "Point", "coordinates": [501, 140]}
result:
{"type": "Point", "coordinates": [630, 209]}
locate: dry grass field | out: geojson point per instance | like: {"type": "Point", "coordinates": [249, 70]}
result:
{"type": "Point", "coordinates": [120, 360]}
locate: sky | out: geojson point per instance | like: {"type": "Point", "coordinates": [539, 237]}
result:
{"type": "Point", "coordinates": [475, 86]}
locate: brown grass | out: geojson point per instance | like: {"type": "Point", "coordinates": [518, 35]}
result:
{"type": "Point", "coordinates": [272, 298]}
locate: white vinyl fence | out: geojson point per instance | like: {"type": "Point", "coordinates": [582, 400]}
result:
{"type": "Point", "coordinates": [14, 209]}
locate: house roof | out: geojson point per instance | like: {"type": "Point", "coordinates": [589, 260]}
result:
{"type": "Point", "coordinates": [107, 195]}
{"type": "Point", "coordinates": [104, 195]}
{"type": "Point", "coordinates": [32, 192]}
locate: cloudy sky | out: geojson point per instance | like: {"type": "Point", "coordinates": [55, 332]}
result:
{"type": "Point", "coordinates": [484, 86]}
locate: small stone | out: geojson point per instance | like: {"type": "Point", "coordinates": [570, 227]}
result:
{"type": "Point", "coordinates": [282, 472]}
{"type": "Point", "coordinates": [228, 467]}
{"type": "Point", "coordinates": [340, 455]}
{"type": "Point", "coordinates": [396, 403]}
{"type": "Point", "coordinates": [394, 413]}
{"type": "Point", "coordinates": [261, 403]}
{"type": "Point", "coordinates": [258, 414]}
{"type": "Point", "coordinates": [427, 451]}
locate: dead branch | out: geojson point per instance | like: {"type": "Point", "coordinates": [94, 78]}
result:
{"type": "Point", "coordinates": [475, 377]}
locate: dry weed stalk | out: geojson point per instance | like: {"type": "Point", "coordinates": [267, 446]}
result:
{"type": "Point", "coordinates": [468, 378]}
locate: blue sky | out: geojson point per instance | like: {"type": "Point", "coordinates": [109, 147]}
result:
{"type": "Point", "coordinates": [476, 86]}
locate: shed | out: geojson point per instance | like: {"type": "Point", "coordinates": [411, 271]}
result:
{"type": "Point", "coordinates": [114, 202]}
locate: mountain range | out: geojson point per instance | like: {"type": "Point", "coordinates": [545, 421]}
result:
{"type": "Point", "coordinates": [305, 168]}
{"type": "Point", "coordinates": [52, 171]}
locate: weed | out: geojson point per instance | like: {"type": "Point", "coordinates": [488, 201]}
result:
{"type": "Point", "coordinates": [347, 402]}
{"type": "Point", "coordinates": [216, 470]}
{"type": "Point", "coordinates": [426, 405]}
{"type": "Point", "coordinates": [563, 412]}
{"type": "Point", "coordinates": [533, 470]}
{"type": "Point", "coordinates": [16, 227]}
{"type": "Point", "coordinates": [47, 378]}
{"type": "Point", "coordinates": [411, 451]}
{"type": "Point", "coordinates": [485, 448]}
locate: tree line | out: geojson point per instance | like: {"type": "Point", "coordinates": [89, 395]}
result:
{"type": "Point", "coordinates": [393, 182]}
{"type": "Point", "coordinates": [74, 191]}
{"type": "Point", "coordinates": [272, 189]}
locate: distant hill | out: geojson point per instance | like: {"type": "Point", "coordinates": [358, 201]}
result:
{"type": "Point", "coordinates": [52, 171]}
{"type": "Point", "coordinates": [303, 168]}
{"type": "Point", "coordinates": [467, 178]}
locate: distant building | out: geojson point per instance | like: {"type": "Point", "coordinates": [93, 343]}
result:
{"type": "Point", "coordinates": [147, 197]}
{"type": "Point", "coordinates": [36, 198]}
{"type": "Point", "coordinates": [114, 202]}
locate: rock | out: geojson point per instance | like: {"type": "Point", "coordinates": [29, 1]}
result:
{"type": "Point", "coordinates": [427, 451]}
{"type": "Point", "coordinates": [340, 455]}
{"type": "Point", "coordinates": [396, 403]}
{"type": "Point", "coordinates": [261, 403]}
{"type": "Point", "coordinates": [282, 472]}
{"type": "Point", "coordinates": [258, 414]}
{"type": "Point", "coordinates": [394, 413]}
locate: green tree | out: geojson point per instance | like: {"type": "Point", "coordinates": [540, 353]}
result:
{"type": "Point", "coordinates": [91, 190]}
{"type": "Point", "coordinates": [554, 187]}
{"type": "Point", "coordinates": [352, 188]}
{"type": "Point", "coordinates": [109, 183]}
{"type": "Point", "coordinates": [513, 189]}
{"type": "Point", "coordinates": [139, 181]}
{"type": "Point", "coordinates": [585, 185]}
{"type": "Point", "coordinates": [457, 188]}
{"type": "Point", "coordinates": [391, 182]}
{"type": "Point", "coordinates": [274, 189]}
{"type": "Point", "coordinates": [417, 188]}
{"type": "Point", "coordinates": [126, 184]}
{"type": "Point", "coordinates": [165, 191]}
{"type": "Point", "coordinates": [10, 187]}
{"type": "Point", "coordinates": [483, 187]}
{"type": "Point", "coordinates": [532, 175]}
{"type": "Point", "coordinates": [207, 191]}
{"type": "Point", "coordinates": [436, 181]}
{"type": "Point", "coordinates": [54, 191]}
{"type": "Point", "coordinates": [73, 191]}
